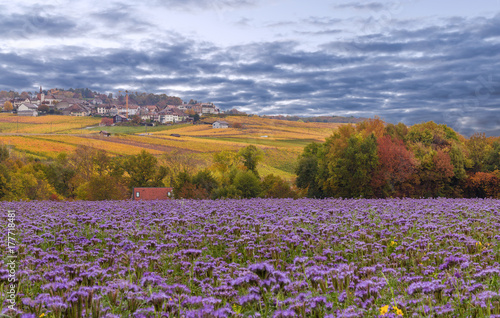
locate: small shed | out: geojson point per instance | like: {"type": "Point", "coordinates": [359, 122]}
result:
{"type": "Point", "coordinates": [220, 124]}
{"type": "Point", "coordinates": [152, 194]}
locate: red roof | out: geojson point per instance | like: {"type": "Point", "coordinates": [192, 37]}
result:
{"type": "Point", "coordinates": [152, 193]}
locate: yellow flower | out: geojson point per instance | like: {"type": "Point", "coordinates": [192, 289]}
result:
{"type": "Point", "coordinates": [393, 243]}
{"type": "Point", "coordinates": [42, 315]}
{"type": "Point", "coordinates": [398, 311]}
{"type": "Point", "coordinates": [384, 310]}
{"type": "Point", "coordinates": [237, 308]}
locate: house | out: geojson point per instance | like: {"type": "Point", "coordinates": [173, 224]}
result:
{"type": "Point", "coordinates": [97, 101]}
{"type": "Point", "coordinates": [19, 101]}
{"type": "Point", "coordinates": [27, 109]}
{"type": "Point", "coordinates": [220, 124]}
{"type": "Point", "coordinates": [76, 110]}
{"type": "Point", "coordinates": [152, 194]}
{"type": "Point", "coordinates": [119, 119]}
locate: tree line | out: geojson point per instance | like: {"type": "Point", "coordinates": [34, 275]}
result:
{"type": "Point", "coordinates": [377, 160]}
{"type": "Point", "coordinates": [92, 174]}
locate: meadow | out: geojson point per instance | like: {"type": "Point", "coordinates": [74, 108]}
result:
{"type": "Point", "coordinates": [256, 258]}
{"type": "Point", "coordinates": [282, 141]}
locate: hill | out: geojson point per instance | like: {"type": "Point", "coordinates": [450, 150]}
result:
{"type": "Point", "coordinates": [282, 141]}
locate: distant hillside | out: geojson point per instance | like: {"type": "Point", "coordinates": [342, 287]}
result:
{"type": "Point", "coordinates": [282, 141]}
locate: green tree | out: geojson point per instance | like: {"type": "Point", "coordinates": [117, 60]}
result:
{"type": "Point", "coordinates": [247, 183]}
{"type": "Point", "coordinates": [275, 187]}
{"type": "Point", "coordinates": [251, 156]}
{"type": "Point", "coordinates": [478, 149]}
{"type": "Point", "coordinates": [204, 179]}
{"type": "Point", "coordinates": [351, 172]}
{"type": "Point", "coordinates": [144, 171]}
{"type": "Point", "coordinates": [492, 160]}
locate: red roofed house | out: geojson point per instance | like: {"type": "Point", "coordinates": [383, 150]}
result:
{"type": "Point", "coordinates": [152, 194]}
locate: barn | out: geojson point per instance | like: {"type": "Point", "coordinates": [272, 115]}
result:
{"type": "Point", "coordinates": [152, 194]}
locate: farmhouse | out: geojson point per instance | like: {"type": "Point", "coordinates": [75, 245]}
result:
{"type": "Point", "coordinates": [152, 194]}
{"type": "Point", "coordinates": [27, 109]}
{"type": "Point", "coordinates": [220, 124]}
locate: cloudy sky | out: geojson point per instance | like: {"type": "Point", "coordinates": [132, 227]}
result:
{"type": "Point", "coordinates": [408, 61]}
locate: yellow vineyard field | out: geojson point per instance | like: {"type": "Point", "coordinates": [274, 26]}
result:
{"type": "Point", "coordinates": [281, 141]}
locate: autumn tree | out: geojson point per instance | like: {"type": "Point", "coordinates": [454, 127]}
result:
{"type": "Point", "coordinates": [7, 106]}
{"type": "Point", "coordinates": [350, 172]}
{"type": "Point", "coordinates": [251, 156]}
{"type": "Point", "coordinates": [478, 149]}
{"type": "Point", "coordinates": [275, 187]}
{"type": "Point", "coordinates": [492, 159]}
{"type": "Point", "coordinates": [395, 166]}
{"type": "Point", "coordinates": [483, 185]}
{"type": "Point", "coordinates": [204, 179]}
{"type": "Point", "coordinates": [143, 170]}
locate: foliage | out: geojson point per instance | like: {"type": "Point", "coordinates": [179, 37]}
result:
{"type": "Point", "coordinates": [247, 184]}
{"type": "Point", "coordinates": [143, 171]}
{"type": "Point", "coordinates": [251, 156]}
{"type": "Point", "coordinates": [7, 106]}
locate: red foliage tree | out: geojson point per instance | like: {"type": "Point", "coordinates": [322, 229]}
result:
{"type": "Point", "coordinates": [483, 185]}
{"type": "Point", "coordinates": [396, 165]}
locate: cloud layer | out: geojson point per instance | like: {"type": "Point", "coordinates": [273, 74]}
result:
{"type": "Point", "coordinates": [448, 71]}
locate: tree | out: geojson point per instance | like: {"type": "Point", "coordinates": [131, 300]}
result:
{"type": "Point", "coordinates": [275, 187]}
{"type": "Point", "coordinates": [483, 185]}
{"type": "Point", "coordinates": [7, 106]}
{"type": "Point", "coordinates": [395, 166]}
{"type": "Point", "coordinates": [203, 179]}
{"type": "Point", "coordinates": [310, 169]}
{"type": "Point", "coordinates": [251, 156]}
{"type": "Point", "coordinates": [143, 170]}
{"type": "Point", "coordinates": [350, 172]}
{"type": "Point", "coordinates": [247, 183]}
{"type": "Point", "coordinates": [492, 160]}
{"type": "Point", "coordinates": [478, 149]}
{"type": "Point", "coordinates": [43, 108]}
{"type": "Point", "coordinates": [136, 119]}
{"type": "Point", "coordinates": [185, 188]}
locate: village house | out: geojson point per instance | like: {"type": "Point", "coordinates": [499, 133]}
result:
{"type": "Point", "coordinates": [16, 102]}
{"type": "Point", "coordinates": [27, 109]}
{"type": "Point", "coordinates": [119, 119]}
{"type": "Point", "coordinates": [220, 124]}
{"type": "Point", "coordinates": [77, 110]}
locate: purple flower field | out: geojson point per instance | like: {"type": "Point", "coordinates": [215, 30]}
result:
{"type": "Point", "coordinates": [256, 258]}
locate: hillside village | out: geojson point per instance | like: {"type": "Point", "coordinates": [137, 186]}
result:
{"type": "Point", "coordinates": [115, 110]}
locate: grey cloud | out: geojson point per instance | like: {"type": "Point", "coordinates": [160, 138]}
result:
{"type": "Point", "coordinates": [441, 73]}
{"type": "Point", "coordinates": [372, 6]}
{"type": "Point", "coordinates": [193, 5]}
{"type": "Point", "coordinates": [18, 26]}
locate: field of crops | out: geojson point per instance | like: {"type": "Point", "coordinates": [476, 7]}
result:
{"type": "Point", "coordinates": [282, 141]}
{"type": "Point", "coordinates": [256, 258]}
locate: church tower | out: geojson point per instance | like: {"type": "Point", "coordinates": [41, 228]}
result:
{"type": "Point", "coordinates": [41, 96]}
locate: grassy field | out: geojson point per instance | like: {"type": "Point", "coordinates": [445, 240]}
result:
{"type": "Point", "coordinates": [282, 141]}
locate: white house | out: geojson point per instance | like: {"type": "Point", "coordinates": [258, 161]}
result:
{"type": "Point", "coordinates": [220, 124]}
{"type": "Point", "coordinates": [27, 109]}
